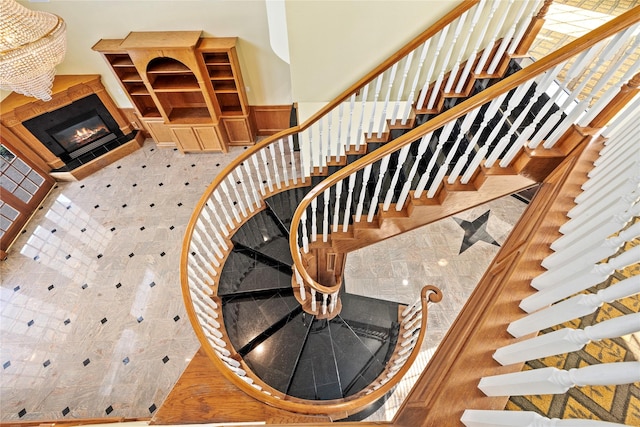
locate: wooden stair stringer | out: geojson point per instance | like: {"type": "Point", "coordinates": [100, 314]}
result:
{"type": "Point", "coordinates": [426, 211]}
{"type": "Point", "coordinates": [203, 395]}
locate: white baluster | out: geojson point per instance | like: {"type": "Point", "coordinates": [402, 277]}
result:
{"type": "Point", "coordinates": [523, 24]}
{"type": "Point", "coordinates": [325, 215]}
{"type": "Point", "coordinates": [462, 50]}
{"type": "Point", "coordinates": [348, 203]}
{"type": "Point", "coordinates": [294, 172]}
{"type": "Point", "coordinates": [218, 197]}
{"type": "Point", "coordinates": [414, 85]}
{"type": "Point", "coordinates": [314, 304]}
{"type": "Point", "coordinates": [363, 192]}
{"type": "Point", "coordinates": [352, 106]}
{"type": "Point", "coordinates": [314, 219]}
{"type": "Point", "coordinates": [444, 137]}
{"type": "Point", "coordinates": [323, 153]}
{"type": "Point", "coordinates": [210, 242]}
{"type": "Point", "coordinates": [339, 139]}
{"type": "Point", "coordinates": [245, 189]}
{"type": "Point", "coordinates": [453, 151]}
{"type": "Point", "coordinates": [360, 135]}
{"type": "Point", "coordinates": [405, 72]}
{"type": "Point", "coordinates": [597, 274]}
{"type": "Point", "coordinates": [254, 191]}
{"type": "Point", "coordinates": [442, 35]}
{"type": "Point", "coordinates": [422, 148]}
{"type": "Point", "coordinates": [285, 172]}
{"type": "Point", "coordinates": [445, 63]}
{"type": "Point", "coordinates": [329, 117]}
{"type": "Point", "coordinates": [238, 198]}
{"type": "Point", "coordinates": [305, 235]}
{"type": "Point", "coordinates": [303, 293]}
{"type": "Point", "coordinates": [274, 161]}
{"type": "Point", "coordinates": [479, 40]}
{"type": "Point", "coordinates": [336, 208]}
{"type": "Point", "coordinates": [567, 340]}
{"type": "Point", "coordinates": [574, 307]}
{"type": "Point", "coordinates": [608, 189]}
{"type": "Point", "coordinates": [219, 221]}
{"type": "Point", "coordinates": [256, 166]}
{"type": "Point", "coordinates": [489, 46]}
{"type": "Point", "coordinates": [494, 418]}
{"type": "Point", "coordinates": [383, 115]}
{"type": "Point", "coordinates": [334, 302]}
{"type": "Point", "coordinates": [479, 156]}
{"type": "Point", "coordinates": [556, 381]}
{"type": "Point", "coordinates": [376, 95]}
{"type": "Point", "coordinates": [402, 157]}
{"type": "Point", "coordinates": [506, 39]}
{"type": "Point", "coordinates": [267, 172]}
{"type": "Point", "coordinates": [381, 176]}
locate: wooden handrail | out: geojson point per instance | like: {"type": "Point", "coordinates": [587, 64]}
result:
{"type": "Point", "coordinates": [608, 29]}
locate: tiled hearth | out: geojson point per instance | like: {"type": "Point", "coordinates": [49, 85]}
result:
{"type": "Point", "coordinates": [93, 323]}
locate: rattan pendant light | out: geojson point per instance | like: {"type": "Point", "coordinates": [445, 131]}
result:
{"type": "Point", "coordinates": [32, 43]}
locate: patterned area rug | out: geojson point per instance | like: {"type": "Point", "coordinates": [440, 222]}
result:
{"type": "Point", "coordinates": [620, 404]}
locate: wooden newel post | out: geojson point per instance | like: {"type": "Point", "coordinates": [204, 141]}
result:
{"type": "Point", "coordinates": [533, 30]}
{"type": "Point", "coordinates": [617, 104]}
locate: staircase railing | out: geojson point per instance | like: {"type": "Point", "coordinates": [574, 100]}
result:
{"type": "Point", "coordinates": [600, 236]}
{"type": "Point", "coordinates": [448, 147]}
{"type": "Point", "coordinates": [275, 164]}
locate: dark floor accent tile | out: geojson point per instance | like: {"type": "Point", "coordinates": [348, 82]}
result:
{"type": "Point", "coordinates": [6, 364]}
{"type": "Point", "coordinates": [180, 204]}
{"type": "Point", "coordinates": [125, 360]}
{"type": "Point", "coordinates": [83, 230]}
{"type": "Point", "coordinates": [152, 408]}
{"type": "Point", "coordinates": [144, 166]}
{"type": "Point", "coordinates": [30, 323]}
{"type": "Point", "coordinates": [175, 149]}
{"type": "Point", "coordinates": [186, 183]}
{"type": "Point", "coordinates": [85, 286]}
{"type": "Point", "coordinates": [109, 409]}
{"type": "Point", "coordinates": [175, 319]}
{"type": "Point", "coordinates": [82, 186]}
{"type": "Point", "coordinates": [152, 284]}
{"type": "Point", "coordinates": [67, 321]}
{"type": "Point", "coordinates": [113, 229]}
{"type": "Point", "coordinates": [54, 230]}
{"type": "Point", "coordinates": [50, 287]}
{"type": "Point", "coordinates": [68, 256]}
{"type": "Point", "coordinates": [217, 164]}
{"type": "Point", "coordinates": [193, 165]}
{"type": "Point", "coordinates": [131, 255]}
{"type": "Point", "coordinates": [37, 257]}
{"type": "Point", "coordinates": [142, 228]}
{"type": "Point", "coordinates": [118, 285]}
{"type": "Point", "coordinates": [108, 185]}
{"type": "Point", "coordinates": [162, 254]}
{"type": "Point", "coordinates": [134, 185]}
{"type": "Point", "coordinates": [16, 289]}
{"type": "Point", "coordinates": [99, 256]}
{"type": "Point", "coordinates": [24, 231]}
{"type": "Point", "coordinates": [104, 320]}
{"type": "Point", "coordinates": [85, 362]}
{"type": "Point", "coordinates": [66, 411]}
{"type": "Point", "coordinates": [96, 206]}
{"type": "Point", "coordinates": [165, 359]}
{"type": "Point", "coordinates": [22, 413]}
{"type": "Point", "coordinates": [160, 185]}
{"type": "Point", "coordinates": [118, 167]}
{"type": "Point", "coordinates": [246, 148]}
{"type": "Point", "coordinates": [40, 208]}
{"type": "Point", "coordinates": [171, 228]}
{"type": "Point", "coordinates": [46, 363]}
{"type": "Point", "coordinates": [168, 166]}
{"type": "Point", "coordinates": [124, 206]}
{"type": "Point", "coordinates": [152, 204]}
{"type": "Point", "coordinates": [153, 149]}
{"type": "Point", "coordinates": [140, 319]}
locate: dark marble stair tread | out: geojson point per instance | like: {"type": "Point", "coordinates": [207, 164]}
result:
{"type": "Point", "coordinates": [262, 234]}
{"type": "Point", "coordinates": [284, 204]}
{"type": "Point", "coordinates": [376, 313]}
{"type": "Point", "coordinates": [242, 272]}
{"type": "Point", "coordinates": [274, 360]}
{"type": "Point", "coordinates": [246, 317]}
{"type": "Point", "coordinates": [316, 376]}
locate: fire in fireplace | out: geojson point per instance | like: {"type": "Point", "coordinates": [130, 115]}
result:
{"type": "Point", "coordinates": [81, 134]}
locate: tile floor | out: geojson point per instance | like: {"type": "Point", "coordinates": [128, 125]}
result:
{"type": "Point", "coordinates": [92, 320]}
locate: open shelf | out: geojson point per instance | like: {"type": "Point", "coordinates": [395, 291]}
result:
{"type": "Point", "coordinates": [120, 60]}
{"type": "Point", "coordinates": [137, 89]}
{"type": "Point", "coordinates": [131, 76]}
{"type": "Point", "coordinates": [220, 72]}
{"type": "Point", "coordinates": [212, 58]}
{"type": "Point", "coordinates": [227, 85]}
{"type": "Point", "coordinates": [189, 115]}
{"type": "Point", "coordinates": [168, 67]}
{"type": "Point", "coordinates": [175, 83]}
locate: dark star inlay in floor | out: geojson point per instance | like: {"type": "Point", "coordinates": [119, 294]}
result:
{"type": "Point", "coordinates": [475, 231]}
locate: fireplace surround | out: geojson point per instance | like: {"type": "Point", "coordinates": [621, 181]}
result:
{"type": "Point", "coordinates": [76, 133]}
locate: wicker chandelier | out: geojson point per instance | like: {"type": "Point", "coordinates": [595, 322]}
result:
{"type": "Point", "coordinates": [32, 43]}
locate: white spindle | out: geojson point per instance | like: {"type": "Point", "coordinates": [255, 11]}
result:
{"type": "Point", "coordinates": [506, 39]}
{"type": "Point", "coordinates": [414, 84]}
{"type": "Point", "coordinates": [219, 221]}
{"type": "Point", "coordinates": [305, 235]}
{"type": "Point", "coordinates": [323, 152]}
{"type": "Point", "coordinates": [218, 197]}
{"type": "Point", "coordinates": [274, 162]}
{"type": "Point", "coordinates": [382, 173]}
{"type": "Point", "coordinates": [404, 151]}
{"type": "Point", "coordinates": [330, 150]}
{"type": "Point", "coordinates": [352, 105]}
{"type": "Point", "coordinates": [325, 215]}
{"type": "Point", "coordinates": [294, 172]}
{"type": "Point", "coordinates": [314, 304]}
{"type": "Point", "coordinates": [314, 219]}
{"type": "Point", "coordinates": [557, 381]}
{"type": "Point", "coordinates": [497, 26]}
{"type": "Point", "coordinates": [245, 188]}
{"type": "Point", "coordinates": [579, 282]}
{"type": "Point", "coordinates": [522, 27]}
{"type": "Point", "coordinates": [435, 90]}
{"type": "Point", "coordinates": [442, 139]}
{"type": "Point", "coordinates": [254, 191]}
{"type": "Point", "coordinates": [442, 35]}
{"type": "Point", "coordinates": [422, 148]}
{"type": "Point", "coordinates": [479, 38]}
{"type": "Point", "coordinates": [360, 135]}
{"type": "Point", "coordinates": [256, 166]}
{"type": "Point", "coordinates": [376, 95]}
{"type": "Point", "coordinates": [283, 159]}
{"type": "Point", "coordinates": [300, 282]}
{"type": "Point", "coordinates": [623, 181]}
{"type": "Point", "coordinates": [336, 207]}
{"type": "Point", "coordinates": [339, 143]}
{"type": "Point", "coordinates": [348, 203]}
{"type": "Point", "coordinates": [573, 308]}
{"type": "Point", "coordinates": [238, 199]}
{"type": "Point", "coordinates": [462, 50]}
{"type": "Point", "coordinates": [383, 116]}
{"type": "Point", "coordinates": [494, 418]}
{"type": "Point", "coordinates": [324, 303]}
{"type": "Point", "coordinates": [363, 191]}
{"type": "Point", "coordinates": [405, 72]}
{"type": "Point", "coordinates": [567, 340]}
{"type": "Point", "coordinates": [267, 172]}
{"type": "Point", "coordinates": [334, 302]}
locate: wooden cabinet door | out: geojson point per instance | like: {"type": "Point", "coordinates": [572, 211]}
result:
{"type": "Point", "coordinates": [186, 139]}
{"type": "Point", "coordinates": [160, 133]}
{"type": "Point", "coordinates": [24, 186]}
{"type": "Point", "coordinates": [208, 138]}
{"type": "Point", "coordinates": [238, 131]}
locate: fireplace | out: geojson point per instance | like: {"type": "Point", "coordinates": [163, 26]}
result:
{"type": "Point", "coordinates": [81, 134]}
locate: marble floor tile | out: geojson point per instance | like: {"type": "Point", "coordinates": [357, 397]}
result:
{"type": "Point", "coordinates": [92, 322]}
